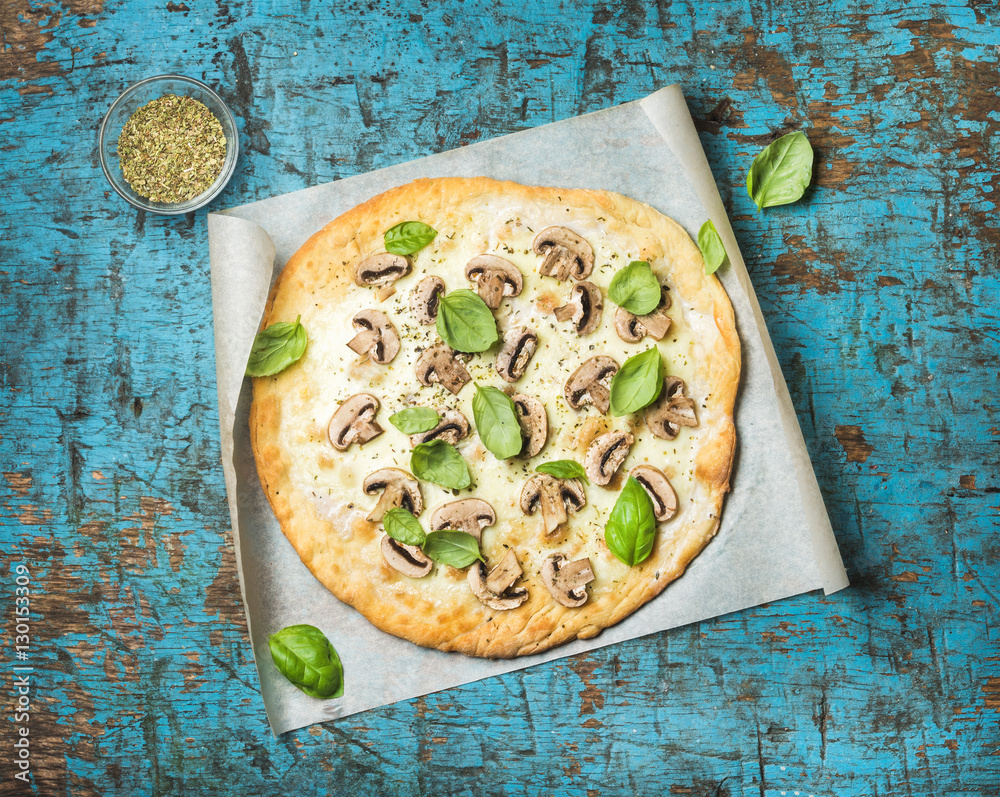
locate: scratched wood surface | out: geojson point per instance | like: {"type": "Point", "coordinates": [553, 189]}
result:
{"type": "Point", "coordinates": [880, 290]}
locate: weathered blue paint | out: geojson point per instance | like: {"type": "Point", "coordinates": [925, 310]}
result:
{"type": "Point", "coordinates": [879, 288]}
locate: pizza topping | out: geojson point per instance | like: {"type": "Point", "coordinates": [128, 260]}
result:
{"type": "Point", "coordinates": [413, 420]}
{"type": "Point", "coordinates": [275, 348]}
{"type": "Point", "coordinates": [564, 469]}
{"type": "Point", "coordinates": [377, 336]}
{"type": "Point", "coordinates": [381, 269]}
{"type": "Point", "coordinates": [496, 421]}
{"type": "Point", "coordinates": [635, 288]}
{"type": "Point", "coordinates": [567, 581]}
{"type": "Point", "coordinates": [470, 515]}
{"type": "Point", "coordinates": [518, 347]}
{"type": "Point", "coordinates": [496, 590]}
{"type": "Point", "coordinates": [605, 455]}
{"type": "Point", "coordinates": [672, 411]}
{"type": "Point", "coordinates": [354, 422]}
{"type": "Point", "coordinates": [398, 488]}
{"type": "Point", "coordinates": [556, 497]}
{"type": "Point", "coordinates": [495, 277]}
{"type": "Point", "coordinates": [659, 489]}
{"type": "Point", "coordinates": [632, 328]}
{"type": "Point", "coordinates": [408, 237]}
{"type": "Point", "coordinates": [465, 323]}
{"type": "Point", "coordinates": [566, 254]}
{"type": "Point", "coordinates": [584, 308]}
{"type": "Point", "coordinates": [533, 422]}
{"type": "Point", "coordinates": [407, 559]}
{"type": "Point", "coordinates": [638, 383]}
{"type": "Point", "coordinates": [424, 299]}
{"type": "Point", "coordinates": [631, 526]}
{"type": "Point", "coordinates": [440, 462]}
{"type": "Point", "coordinates": [440, 364]}
{"type": "Point", "coordinates": [588, 383]}
{"type": "Point", "coordinates": [455, 548]}
{"type": "Point", "coordinates": [452, 427]}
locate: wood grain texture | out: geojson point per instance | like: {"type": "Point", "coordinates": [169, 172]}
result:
{"type": "Point", "coordinates": [880, 293]}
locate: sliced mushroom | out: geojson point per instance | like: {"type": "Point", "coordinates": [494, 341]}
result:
{"type": "Point", "coordinates": [470, 515]}
{"type": "Point", "coordinates": [590, 383]}
{"type": "Point", "coordinates": [584, 308]}
{"type": "Point", "coordinates": [556, 497]}
{"type": "Point", "coordinates": [567, 581]}
{"type": "Point", "coordinates": [377, 336]}
{"type": "Point", "coordinates": [518, 348]}
{"type": "Point", "coordinates": [495, 277]}
{"type": "Point", "coordinates": [440, 364]}
{"type": "Point", "coordinates": [534, 423]}
{"type": "Point", "coordinates": [660, 491]}
{"type": "Point", "coordinates": [605, 455]}
{"type": "Point", "coordinates": [398, 488]}
{"type": "Point", "coordinates": [633, 328]}
{"type": "Point", "coordinates": [425, 298]}
{"type": "Point", "coordinates": [354, 422]}
{"type": "Point", "coordinates": [407, 559]}
{"type": "Point", "coordinates": [452, 427]}
{"type": "Point", "coordinates": [497, 590]}
{"type": "Point", "coordinates": [671, 410]}
{"type": "Point", "coordinates": [566, 254]}
{"type": "Point", "coordinates": [381, 269]}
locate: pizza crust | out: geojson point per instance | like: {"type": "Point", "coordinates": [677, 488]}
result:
{"type": "Point", "coordinates": [315, 491]}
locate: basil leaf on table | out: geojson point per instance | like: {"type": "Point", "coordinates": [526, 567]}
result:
{"type": "Point", "coordinates": [414, 420]}
{"type": "Point", "coordinates": [635, 288]}
{"type": "Point", "coordinates": [712, 250]}
{"type": "Point", "coordinates": [637, 383]}
{"type": "Point", "coordinates": [455, 548]}
{"type": "Point", "coordinates": [781, 173]}
{"type": "Point", "coordinates": [304, 655]}
{"type": "Point", "coordinates": [440, 462]}
{"type": "Point", "coordinates": [408, 237]}
{"type": "Point", "coordinates": [496, 422]}
{"type": "Point", "coordinates": [277, 347]}
{"type": "Point", "coordinates": [564, 469]}
{"type": "Point", "coordinates": [465, 323]}
{"type": "Point", "coordinates": [400, 524]}
{"type": "Point", "coordinates": [631, 526]}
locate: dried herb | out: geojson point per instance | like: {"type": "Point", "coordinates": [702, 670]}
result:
{"type": "Point", "coordinates": [171, 149]}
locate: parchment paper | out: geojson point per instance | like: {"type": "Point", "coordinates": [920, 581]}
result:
{"type": "Point", "coordinates": [775, 539]}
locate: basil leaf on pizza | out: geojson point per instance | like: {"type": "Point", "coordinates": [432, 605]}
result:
{"type": "Point", "coordinates": [439, 462]}
{"type": "Point", "coordinates": [564, 469]}
{"type": "Point", "coordinates": [635, 288]}
{"type": "Point", "coordinates": [400, 524]}
{"type": "Point", "coordinates": [276, 347]}
{"type": "Point", "coordinates": [408, 237]}
{"type": "Point", "coordinates": [304, 655]}
{"type": "Point", "coordinates": [637, 383]}
{"type": "Point", "coordinates": [631, 526]}
{"type": "Point", "coordinates": [712, 250]}
{"type": "Point", "coordinates": [780, 174]}
{"type": "Point", "coordinates": [455, 548]}
{"type": "Point", "coordinates": [465, 323]}
{"type": "Point", "coordinates": [414, 420]}
{"type": "Point", "coordinates": [496, 422]}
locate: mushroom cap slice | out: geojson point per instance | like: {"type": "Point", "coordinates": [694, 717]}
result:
{"type": "Point", "coordinates": [534, 423]}
{"type": "Point", "coordinates": [567, 581]}
{"type": "Point", "coordinates": [605, 455]}
{"type": "Point", "coordinates": [588, 384]}
{"type": "Point", "coordinates": [407, 559]}
{"type": "Point", "coordinates": [583, 309]}
{"type": "Point", "coordinates": [557, 498]}
{"type": "Point", "coordinates": [566, 254]}
{"type": "Point", "coordinates": [440, 364]}
{"type": "Point", "coordinates": [519, 345]}
{"type": "Point", "coordinates": [425, 298]}
{"type": "Point", "coordinates": [671, 410]}
{"type": "Point", "coordinates": [470, 515]}
{"type": "Point", "coordinates": [354, 422]}
{"type": "Point", "coordinates": [495, 277]}
{"type": "Point", "coordinates": [452, 427]}
{"type": "Point", "coordinates": [377, 337]}
{"type": "Point", "coordinates": [661, 492]}
{"type": "Point", "coordinates": [381, 269]}
{"type": "Point", "coordinates": [496, 590]}
{"type": "Point", "coordinates": [398, 488]}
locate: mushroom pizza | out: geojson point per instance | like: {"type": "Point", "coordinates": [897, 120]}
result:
{"type": "Point", "coordinates": [512, 423]}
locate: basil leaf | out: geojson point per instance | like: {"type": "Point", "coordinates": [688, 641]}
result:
{"type": "Point", "coordinates": [781, 173]}
{"type": "Point", "coordinates": [408, 237]}
{"type": "Point", "coordinates": [400, 524]}
{"type": "Point", "coordinates": [440, 462]}
{"type": "Point", "coordinates": [276, 347]}
{"type": "Point", "coordinates": [637, 383]}
{"type": "Point", "coordinates": [564, 469]}
{"type": "Point", "coordinates": [710, 244]}
{"type": "Point", "coordinates": [631, 526]}
{"type": "Point", "coordinates": [455, 548]}
{"type": "Point", "coordinates": [635, 288]}
{"type": "Point", "coordinates": [496, 422]}
{"type": "Point", "coordinates": [414, 420]}
{"type": "Point", "coordinates": [306, 658]}
{"type": "Point", "coordinates": [465, 323]}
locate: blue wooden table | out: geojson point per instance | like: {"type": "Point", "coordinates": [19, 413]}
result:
{"type": "Point", "coordinates": [880, 291]}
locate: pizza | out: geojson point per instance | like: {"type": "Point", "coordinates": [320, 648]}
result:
{"type": "Point", "coordinates": [615, 475]}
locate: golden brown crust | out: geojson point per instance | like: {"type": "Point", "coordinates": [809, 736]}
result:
{"type": "Point", "coordinates": [325, 520]}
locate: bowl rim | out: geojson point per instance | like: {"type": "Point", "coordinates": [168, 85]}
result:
{"type": "Point", "coordinates": [212, 191]}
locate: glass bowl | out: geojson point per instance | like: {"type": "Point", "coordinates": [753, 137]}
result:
{"type": "Point", "coordinates": [140, 94]}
